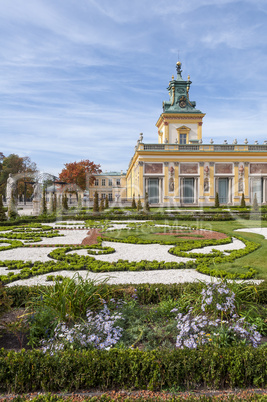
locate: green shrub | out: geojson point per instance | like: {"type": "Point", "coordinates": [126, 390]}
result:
{"type": "Point", "coordinates": [234, 367]}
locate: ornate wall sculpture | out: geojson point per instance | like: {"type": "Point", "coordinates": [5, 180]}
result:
{"type": "Point", "coordinates": [241, 179]}
{"type": "Point", "coordinates": [171, 179]}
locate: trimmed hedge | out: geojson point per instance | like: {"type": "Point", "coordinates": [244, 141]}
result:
{"type": "Point", "coordinates": [68, 371]}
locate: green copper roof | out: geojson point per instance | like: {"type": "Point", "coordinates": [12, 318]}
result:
{"type": "Point", "coordinates": [179, 95]}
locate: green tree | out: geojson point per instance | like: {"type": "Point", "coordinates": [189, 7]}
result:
{"type": "Point", "coordinates": [255, 206]}
{"type": "Point", "coordinates": [12, 210]}
{"type": "Point", "coordinates": [44, 205]}
{"type": "Point", "coordinates": [146, 203]}
{"type": "Point", "coordinates": [54, 203]}
{"type": "Point", "coordinates": [65, 202]}
{"type": "Point", "coordinates": [217, 201]}
{"type": "Point", "coordinates": [102, 205]}
{"type": "Point", "coordinates": [139, 204]}
{"type": "Point", "coordinates": [243, 202]}
{"type": "Point", "coordinates": [2, 212]}
{"type": "Point", "coordinates": [133, 202]}
{"type": "Point", "coordinates": [79, 201]}
{"type": "Point", "coordinates": [106, 203]}
{"type": "Point", "coordinates": [96, 205]}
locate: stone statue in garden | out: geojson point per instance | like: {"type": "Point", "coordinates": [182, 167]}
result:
{"type": "Point", "coordinates": [36, 192]}
{"type": "Point", "coordinates": [10, 188]}
{"type": "Point", "coordinates": [10, 197]}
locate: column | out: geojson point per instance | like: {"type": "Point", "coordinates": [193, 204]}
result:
{"type": "Point", "coordinates": [201, 183]}
{"type": "Point", "coordinates": [181, 190]}
{"type": "Point", "coordinates": [264, 191]}
{"type": "Point", "coordinates": [196, 190]}
{"type": "Point", "coordinates": [236, 198]}
{"type": "Point", "coordinates": [212, 183]}
{"type": "Point", "coordinates": [141, 180]}
{"type": "Point", "coordinates": [199, 130]}
{"type": "Point", "coordinates": [246, 180]}
{"type": "Point", "coordinates": [160, 190]}
{"type": "Point", "coordinates": [230, 190]}
{"type": "Point", "coordinates": [166, 181]}
{"type": "Point", "coordinates": [176, 182]}
{"type": "Point", "coordinates": [166, 124]}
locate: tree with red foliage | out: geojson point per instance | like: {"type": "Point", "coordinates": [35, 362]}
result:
{"type": "Point", "coordinates": [80, 173]}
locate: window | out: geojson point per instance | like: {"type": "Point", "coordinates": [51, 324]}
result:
{"type": "Point", "coordinates": [110, 196]}
{"type": "Point", "coordinates": [183, 133]}
{"type": "Point", "coordinates": [182, 139]}
{"type": "Point", "coordinates": [96, 182]}
{"type": "Point", "coordinates": [103, 196]}
{"type": "Point", "coordinates": [118, 182]}
{"type": "Point", "coordinates": [103, 182]}
{"type": "Point", "coordinates": [110, 182]}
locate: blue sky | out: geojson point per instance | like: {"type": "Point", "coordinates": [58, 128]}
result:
{"type": "Point", "coordinates": [80, 79]}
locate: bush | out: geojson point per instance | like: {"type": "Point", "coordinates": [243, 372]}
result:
{"type": "Point", "coordinates": [217, 202]}
{"type": "Point", "coordinates": [243, 202]}
{"type": "Point", "coordinates": [234, 367]}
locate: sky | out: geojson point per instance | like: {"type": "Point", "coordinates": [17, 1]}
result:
{"type": "Point", "coordinates": [80, 79]}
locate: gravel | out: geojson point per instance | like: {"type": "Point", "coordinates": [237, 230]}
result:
{"type": "Point", "coordinates": [124, 251]}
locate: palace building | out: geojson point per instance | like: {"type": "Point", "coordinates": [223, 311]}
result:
{"type": "Point", "coordinates": [180, 170]}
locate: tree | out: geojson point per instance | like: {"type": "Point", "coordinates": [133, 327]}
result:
{"type": "Point", "coordinates": [102, 206]}
{"type": "Point", "coordinates": [146, 204]}
{"type": "Point", "coordinates": [54, 203]}
{"type": "Point", "coordinates": [44, 206]}
{"type": "Point", "coordinates": [2, 212]}
{"type": "Point", "coordinates": [106, 203]}
{"type": "Point", "coordinates": [79, 201]}
{"type": "Point", "coordinates": [133, 202]}
{"type": "Point", "coordinates": [243, 202]}
{"type": "Point", "coordinates": [21, 167]}
{"type": "Point", "coordinates": [12, 209]}
{"type": "Point", "coordinates": [255, 206]}
{"type": "Point", "coordinates": [96, 206]}
{"type": "Point", "coordinates": [65, 202]}
{"type": "Point", "coordinates": [139, 204]}
{"type": "Point", "coordinates": [80, 173]}
{"type": "Point", "coordinates": [217, 201]}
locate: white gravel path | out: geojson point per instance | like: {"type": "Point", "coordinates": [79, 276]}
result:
{"type": "Point", "coordinates": [164, 276]}
{"type": "Point", "coordinates": [136, 252]}
{"type": "Point", "coordinates": [67, 224]}
{"type": "Point", "coordinates": [261, 231]}
{"type": "Point", "coordinates": [27, 254]}
{"type": "Point", "coordinates": [70, 237]}
{"type": "Point", "coordinates": [124, 251]}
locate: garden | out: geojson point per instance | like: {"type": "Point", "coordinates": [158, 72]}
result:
{"type": "Point", "coordinates": [97, 305]}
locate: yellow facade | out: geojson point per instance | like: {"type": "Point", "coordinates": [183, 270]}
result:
{"type": "Point", "coordinates": [180, 170]}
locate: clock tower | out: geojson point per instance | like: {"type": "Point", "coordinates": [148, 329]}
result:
{"type": "Point", "coordinates": [180, 122]}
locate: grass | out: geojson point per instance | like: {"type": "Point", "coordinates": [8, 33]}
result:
{"type": "Point", "coordinates": [256, 259]}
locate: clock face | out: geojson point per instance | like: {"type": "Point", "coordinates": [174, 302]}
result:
{"type": "Point", "coordinates": [182, 102]}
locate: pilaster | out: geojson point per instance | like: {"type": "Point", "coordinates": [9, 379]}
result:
{"type": "Point", "coordinates": [141, 179]}
{"type": "Point", "coordinates": [235, 187]}
{"type": "Point", "coordinates": [166, 180]}
{"type": "Point", "coordinates": [166, 124]}
{"type": "Point", "coordinates": [176, 182]}
{"type": "Point", "coordinates": [201, 182]}
{"type": "Point", "coordinates": [212, 182]}
{"type": "Point", "coordinates": [246, 179]}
